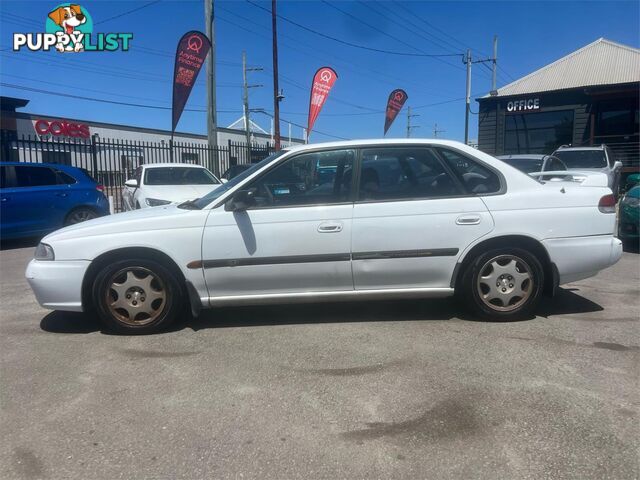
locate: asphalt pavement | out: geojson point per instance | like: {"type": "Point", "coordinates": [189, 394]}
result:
{"type": "Point", "coordinates": [407, 389]}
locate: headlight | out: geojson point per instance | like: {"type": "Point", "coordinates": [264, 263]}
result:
{"type": "Point", "coordinates": [156, 202]}
{"type": "Point", "coordinates": [631, 201]}
{"type": "Point", "coordinates": [44, 252]}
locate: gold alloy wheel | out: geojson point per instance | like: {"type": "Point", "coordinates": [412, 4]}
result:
{"type": "Point", "coordinates": [505, 283]}
{"type": "Point", "coordinates": [135, 296]}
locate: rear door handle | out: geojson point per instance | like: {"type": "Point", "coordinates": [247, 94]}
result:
{"type": "Point", "coordinates": [5, 199]}
{"type": "Point", "coordinates": [62, 194]}
{"type": "Point", "coordinates": [330, 227]}
{"type": "Point", "coordinates": [468, 220]}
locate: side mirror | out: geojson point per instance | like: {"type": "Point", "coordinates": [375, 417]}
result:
{"type": "Point", "coordinates": [241, 201]}
{"type": "Point", "coordinates": [223, 180]}
{"type": "Point", "coordinates": [617, 165]}
{"type": "Point", "coordinates": [132, 182]}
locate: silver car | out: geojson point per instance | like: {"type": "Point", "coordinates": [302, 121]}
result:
{"type": "Point", "coordinates": [592, 159]}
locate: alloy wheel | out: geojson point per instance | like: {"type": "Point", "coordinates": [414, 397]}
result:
{"type": "Point", "coordinates": [505, 283]}
{"type": "Point", "coordinates": [79, 216]}
{"type": "Point", "coordinates": [135, 296]}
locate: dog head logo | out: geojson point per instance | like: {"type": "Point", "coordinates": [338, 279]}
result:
{"type": "Point", "coordinates": [70, 23]}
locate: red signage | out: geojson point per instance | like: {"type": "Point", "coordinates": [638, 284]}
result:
{"type": "Point", "coordinates": [394, 105]}
{"type": "Point", "coordinates": [323, 80]}
{"type": "Point", "coordinates": [191, 53]}
{"type": "Point", "coordinates": [61, 128]}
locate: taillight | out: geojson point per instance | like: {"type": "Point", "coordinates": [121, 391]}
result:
{"type": "Point", "coordinates": [607, 204]}
{"type": "Point", "coordinates": [100, 188]}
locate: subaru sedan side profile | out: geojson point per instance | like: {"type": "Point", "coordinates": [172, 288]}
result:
{"type": "Point", "coordinates": [385, 219]}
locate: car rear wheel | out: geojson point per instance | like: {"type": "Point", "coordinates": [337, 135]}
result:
{"type": "Point", "coordinates": [80, 215]}
{"type": "Point", "coordinates": [136, 296]}
{"type": "Point", "coordinates": [504, 284]}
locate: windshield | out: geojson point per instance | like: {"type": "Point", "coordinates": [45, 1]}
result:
{"type": "Point", "coordinates": [179, 176]}
{"type": "Point", "coordinates": [582, 158]}
{"type": "Point", "coordinates": [211, 196]}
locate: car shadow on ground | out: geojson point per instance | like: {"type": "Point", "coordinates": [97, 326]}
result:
{"type": "Point", "coordinates": [565, 302]}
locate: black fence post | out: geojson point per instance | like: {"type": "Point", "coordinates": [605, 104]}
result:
{"type": "Point", "coordinates": [94, 154]}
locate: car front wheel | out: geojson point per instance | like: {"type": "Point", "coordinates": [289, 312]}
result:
{"type": "Point", "coordinates": [136, 296]}
{"type": "Point", "coordinates": [80, 215]}
{"type": "Point", "coordinates": [504, 284]}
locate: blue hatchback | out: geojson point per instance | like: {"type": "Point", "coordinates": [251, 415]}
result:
{"type": "Point", "coordinates": [37, 198]}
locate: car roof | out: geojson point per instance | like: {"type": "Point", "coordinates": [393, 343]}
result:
{"type": "Point", "coordinates": [373, 142]}
{"type": "Point", "coordinates": [170, 164]}
{"type": "Point", "coordinates": [522, 156]}
{"type": "Point", "coordinates": [595, 147]}
{"type": "Point", "coordinates": [59, 166]}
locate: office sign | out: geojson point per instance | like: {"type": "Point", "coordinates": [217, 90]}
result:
{"type": "Point", "coordinates": [523, 105]}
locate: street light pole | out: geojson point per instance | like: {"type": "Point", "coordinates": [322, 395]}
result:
{"type": "Point", "coordinates": [212, 128]}
{"type": "Point", "coordinates": [276, 90]}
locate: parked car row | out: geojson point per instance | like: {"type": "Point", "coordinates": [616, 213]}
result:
{"type": "Point", "coordinates": [38, 198]}
{"type": "Point", "coordinates": [570, 163]}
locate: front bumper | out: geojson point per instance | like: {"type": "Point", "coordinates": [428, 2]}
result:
{"type": "Point", "coordinates": [57, 284]}
{"type": "Point", "coordinates": [582, 257]}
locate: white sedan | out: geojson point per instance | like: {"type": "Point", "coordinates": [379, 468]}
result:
{"type": "Point", "coordinates": [158, 184]}
{"type": "Point", "coordinates": [351, 220]}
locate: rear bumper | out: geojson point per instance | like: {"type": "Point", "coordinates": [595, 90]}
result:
{"type": "Point", "coordinates": [57, 285]}
{"type": "Point", "coordinates": [582, 257]}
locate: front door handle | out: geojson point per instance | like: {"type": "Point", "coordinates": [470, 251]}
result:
{"type": "Point", "coordinates": [330, 227]}
{"type": "Point", "coordinates": [468, 220]}
{"type": "Point", "coordinates": [62, 194]}
{"type": "Point", "coordinates": [5, 199]}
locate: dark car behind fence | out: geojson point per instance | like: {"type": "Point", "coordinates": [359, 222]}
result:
{"type": "Point", "coordinates": [112, 161]}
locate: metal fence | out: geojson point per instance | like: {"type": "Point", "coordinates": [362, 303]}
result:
{"type": "Point", "coordinates": [112, 161]}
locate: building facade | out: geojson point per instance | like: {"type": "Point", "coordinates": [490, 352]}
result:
{"type": "Point", "coordinates": [589, 97]}
{"type": "Point", "coordinates": [52, 139]}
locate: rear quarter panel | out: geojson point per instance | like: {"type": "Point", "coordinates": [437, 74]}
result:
{"type": "Point", "coordinates": [552, 210]}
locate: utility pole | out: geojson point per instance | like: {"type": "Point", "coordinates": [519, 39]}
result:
{"type": "Point", "coordinates": [467, 105]}
{"type": "Point", "coordinates": [245, 101]}
{"type": "Point", "coordinates": [494, 69]}
{"type": "Point", "coordinates": [436, 131]}
{"type": "Point", "coordinates": [212, 128]}
{"type": "Point", "coordinates": [276, 91]}
{"type": "Point", "coordinates": [409, 117]}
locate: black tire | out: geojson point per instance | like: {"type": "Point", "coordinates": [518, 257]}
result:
{"type": "Point", "coordinates": [163, 284]}
{"type": "Point", "coordinates": [475, 285]}
{"type": "Point", "coordinates": [79, 215]}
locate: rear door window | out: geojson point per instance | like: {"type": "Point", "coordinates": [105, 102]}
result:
{"type": "Point", "coordinates": [404, 173]}
{"type": "Point", "coordinates": [31, 176]}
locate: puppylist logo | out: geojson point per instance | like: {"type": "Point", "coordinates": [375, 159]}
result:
{"type": "Point", "coordinates": [69, 28]}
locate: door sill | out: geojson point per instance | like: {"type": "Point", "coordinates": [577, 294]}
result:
{"type": "Point", "coordinates": [335, 296]}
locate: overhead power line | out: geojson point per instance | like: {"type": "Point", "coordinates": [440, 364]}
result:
{"type": "Point", "coordinates": [141, 105]}
{"type": "Point", "coordinates": [102, 100]}
{"type": "Point", "coordinates": [128, 12]}
{"type": "Point", "coordinates": [350, 44]}
{"type": "Point", "coordinates": [312, 51]}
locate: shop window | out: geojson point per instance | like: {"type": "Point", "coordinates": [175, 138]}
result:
{"type": "Point", "coordinates": [537, 132]}
{"type": "Point", "coordinates": [617, 118]}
